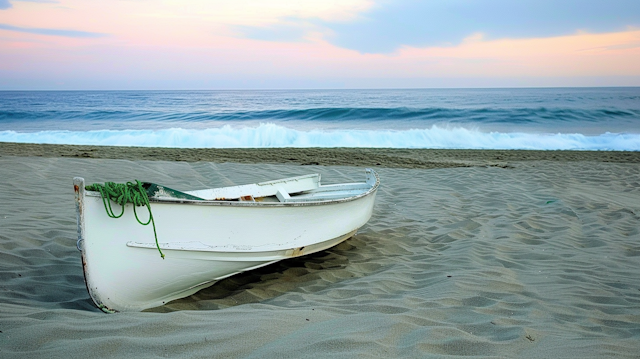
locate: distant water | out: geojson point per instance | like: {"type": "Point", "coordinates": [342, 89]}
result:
{"type": "Point", "coordinates": [543, 119]}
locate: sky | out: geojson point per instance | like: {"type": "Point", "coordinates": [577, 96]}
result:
{"type": "Point", "coordinates": [290, 44]}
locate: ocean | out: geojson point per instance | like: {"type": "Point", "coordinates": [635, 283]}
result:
{"type": "Point", "coordinates": [535, 119]}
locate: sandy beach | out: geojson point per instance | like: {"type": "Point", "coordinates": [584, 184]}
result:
{"type": "Point", "coordinates": [531, 254]}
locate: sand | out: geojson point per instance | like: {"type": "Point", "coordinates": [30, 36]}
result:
{"type": "Point", "coordinates": [533, 254]}
{"type": "Point", "coordinates": [370, 157]}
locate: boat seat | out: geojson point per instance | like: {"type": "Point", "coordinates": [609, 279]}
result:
{"type": "Point", "coordinates": [283, 196]}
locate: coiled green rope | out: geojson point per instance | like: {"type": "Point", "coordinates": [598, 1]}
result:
{"type": "Point", "coordinates": [123, 193]}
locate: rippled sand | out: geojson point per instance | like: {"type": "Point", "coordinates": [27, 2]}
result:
{"type": "Point", "coordinates": [537, 259]}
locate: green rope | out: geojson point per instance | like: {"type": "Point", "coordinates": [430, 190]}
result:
{"type": "Point", "coordinates": [123, 193]}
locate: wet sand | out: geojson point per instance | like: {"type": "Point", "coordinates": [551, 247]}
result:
{"type": "Point", "coordinates": [370, 157]}
{"type": "Point", "coordinates": [469, 253]}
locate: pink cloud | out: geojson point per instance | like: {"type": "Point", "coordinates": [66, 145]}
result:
{"type": "Point", "coordinates": [194, 48]}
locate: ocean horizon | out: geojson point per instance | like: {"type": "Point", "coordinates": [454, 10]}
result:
{"type": "Point", "coordinates": [500, 118]}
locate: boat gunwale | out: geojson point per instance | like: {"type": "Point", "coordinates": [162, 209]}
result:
{"type": "Point", "coordinates": [208, 202]}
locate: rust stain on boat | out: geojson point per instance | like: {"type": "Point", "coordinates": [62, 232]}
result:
{"type": "Point", "coordinates": [297, 252]}
{"type": "Point", "coordinates": [97, 302]}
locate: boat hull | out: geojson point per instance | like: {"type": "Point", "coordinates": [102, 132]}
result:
{"type": "Point", "coordinates": [203, 242]}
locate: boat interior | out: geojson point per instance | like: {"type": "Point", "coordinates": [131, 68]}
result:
{"type": "Point", "coordinates": [306, 188]}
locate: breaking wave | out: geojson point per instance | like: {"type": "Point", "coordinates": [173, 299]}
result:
{"type": "Point", "coordinates": [272, 135]}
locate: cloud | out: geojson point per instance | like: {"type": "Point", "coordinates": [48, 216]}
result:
{"type": "Point", "coordinates": [41, 1]}
{"type": "Point", "coordinates": [608, 59]}
{"type": "Point", "coordinates": [5, 4]}
{"type": "Point", "coordinates": [52, 32]}
{"type": "Point", "coordinates": [287, 30]}
{"type": "Point", "coordinates": [196, 44]}
{"type": "Point", "coordinates": [290, 20]}
{"type": "Point", "coordinates": [389, 25]}
{"type": "Point", "coordinates": [255, 13]}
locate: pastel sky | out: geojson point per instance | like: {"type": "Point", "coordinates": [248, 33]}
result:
{"type": "Point", "coordinates": [238, 44]}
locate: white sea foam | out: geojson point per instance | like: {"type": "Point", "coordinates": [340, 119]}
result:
{"type": "Point", "coordinates": [272, 135]}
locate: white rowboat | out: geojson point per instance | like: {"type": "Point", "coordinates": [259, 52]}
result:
{"type": "Point", "coordinates": [222, 232]}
